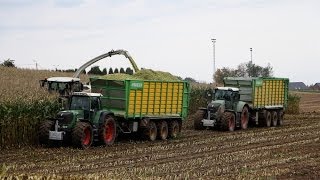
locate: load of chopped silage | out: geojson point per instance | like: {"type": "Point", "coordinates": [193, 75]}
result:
{"type": "Point", "coordinates": [144, 74]}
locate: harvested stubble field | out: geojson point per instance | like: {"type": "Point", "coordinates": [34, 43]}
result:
{"type": "Point", "coordinates": [289, 151]}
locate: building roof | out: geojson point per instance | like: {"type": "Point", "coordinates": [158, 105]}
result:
{"type": "Point", "coordinates": [297, 86]}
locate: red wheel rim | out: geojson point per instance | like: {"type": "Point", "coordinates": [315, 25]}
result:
{"type": "Point", "coordinates": [109, 132]}
{"type": "Point", "coordinates": [87, 137]}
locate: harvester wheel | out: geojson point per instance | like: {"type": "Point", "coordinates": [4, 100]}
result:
{"type": "Point", "coordinates": [108, 131]}
{"type": "Point", "coordinates": [82, 135]}
{"type": "Point", "coordinates": [151, 131]}
{"type": "Point", "coordinates": [174, 129]}
{"type": "Point", "coordinates": [44, 129]}
{"type": "Point", "coordinates": [162, 128]}
{"type": "Point", "coordinates": [280, 117]}
{"type": "Point", "coordinates": [228, 121]}
{"type": "Point", "coordinates": [197, 120]}
{"type": "Point", "coordinates": [244, 118]}
{"type": "Point", "coordinates": [274, 116]}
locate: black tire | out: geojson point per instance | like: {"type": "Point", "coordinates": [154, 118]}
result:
{"type": "Point", "coordinates": [265, 119]}
{"type": "Point", "coordinates": [44, 129]}
{"type": "Point", "coordinates": [280, 118]}
{"type": "Point", "coordinates": [82, 135]}
{"type": "Point", "coordinates": [162, 129]}
{"type": "Point", "coordinates": [151, 131]}
{"type": "Point", "coordinates": [274, 118]}
{"type": "Point", "coordinates": [197, 118]}
{"type": "Point", "coordinates": [244, 118]}
{"type": "Point", "coordinates": [228, 121]}
{"type": "Point", "coordinates": [174, 129]}
{"type": "Point", "coordinates": [108, 131]}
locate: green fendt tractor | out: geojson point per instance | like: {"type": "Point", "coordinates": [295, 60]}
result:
{"type": "Point", "coordinates": [243, 101]}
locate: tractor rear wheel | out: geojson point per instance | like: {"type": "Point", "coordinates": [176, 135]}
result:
{"type": "Point", "coordinates": [108, 131]}
{"type": "Point", "coordinates": [274, 118]}
{"type": "Point", "coordinates": [82, 135]}
{"type": "Point", "coordinates": [162, 128]}
{"type": "Point", "coordinates": [244, 118]}
{"type": "Point", "coordinates": [174, 129]}
{"type": "Point", "coordinates": [228, 121]}
{"type": "Point", "coordinates": [44, 129]}
{"type": "Point", "coordinates": [197, 120]}
{"type": "Point", "coordinates": [151, 131]}
{"type": "Point", "coordinates": [280, 117]}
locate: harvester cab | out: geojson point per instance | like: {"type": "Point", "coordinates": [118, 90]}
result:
{"type": "Point", "coordinates": [62, 85]}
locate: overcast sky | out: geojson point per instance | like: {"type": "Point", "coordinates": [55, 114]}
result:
{"type": "Point", "coordinates": [173, 36]}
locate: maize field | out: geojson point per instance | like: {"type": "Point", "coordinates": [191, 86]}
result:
{"type": "Point", "coordinates": [290, 151]}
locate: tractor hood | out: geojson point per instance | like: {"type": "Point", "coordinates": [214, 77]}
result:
{"type": "Point", "coordinates": [214, 106]}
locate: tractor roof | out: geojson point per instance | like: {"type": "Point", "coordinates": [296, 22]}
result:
{"type": "Point", "coordinates": [63, 79]}
{"type": "Point", "coordinates": [228, 88]}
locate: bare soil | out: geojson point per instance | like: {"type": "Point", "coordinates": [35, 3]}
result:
{"type": "Point", "coordinates": [291, 151]}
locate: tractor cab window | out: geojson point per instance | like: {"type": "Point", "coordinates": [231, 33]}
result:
{"type": "Point", "coordinates": [223, 95]}
{"type": "Point", "coordinates": [80, 103]}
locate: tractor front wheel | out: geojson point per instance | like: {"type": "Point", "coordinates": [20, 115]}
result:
{"type": "Point", "coordinates": [228, 121]}
{"type": "Point", "coordinates": [197, 120]}
{"type": "Point", "coordinates": [82, 135]}
{"type": "Point", "coordinates": [44, 129]}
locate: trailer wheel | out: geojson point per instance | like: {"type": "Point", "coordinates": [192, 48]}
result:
{"type": "Point", "coordinates": [268, 119]}
{"type": "Point", "coordinates": [151, 131]}
{"type": "Point", "coordinates": [162, 128]}
{"type": "Point", "coordinates": [82, 135]}
{"type": "Point", "coordinates": [174, 129]}
{"type": "Point", "coordinates": [274, 115]}
{"type": "Point", "coordinates": [228, 121]}
{"type": "Point", "coordinates": [280, 117]}
{"type": "Point", "coordinates": [197, 120]}
{"type": "Point", "coordinates": [244, 117]}
{"type": "Point", "coordinates": [108, 131]}
{"type": "Point", "coordinates": [44, 129]}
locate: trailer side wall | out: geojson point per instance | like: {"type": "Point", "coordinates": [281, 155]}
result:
{"type": "Point", "coordinates": [138, 99]}
{"type": "Point", "coordinates": [261, 92]}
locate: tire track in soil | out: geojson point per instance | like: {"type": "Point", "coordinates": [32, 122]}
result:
{"type": "Point", "coordinates": [200, 139]}
{"type": "Point", "coordinates": [138, 159]}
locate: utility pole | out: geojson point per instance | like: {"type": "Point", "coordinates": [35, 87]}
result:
{"type": "Point", "coordinates": [251, 55]}
{"type": "Point", "coordinates": [251, 64]}
{"type": "Point", "coordinates": [36, 64]}
{"type": "Point", "coordinates": [214, 58]}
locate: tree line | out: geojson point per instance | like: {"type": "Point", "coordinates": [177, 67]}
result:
{"type": "Point", "coordinates": [247, 69]}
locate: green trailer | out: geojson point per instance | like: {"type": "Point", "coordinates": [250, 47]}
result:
{"type": "Point", "coordinates": [243, 101]}
{"type": "Point", "coordinates": [153, 109]}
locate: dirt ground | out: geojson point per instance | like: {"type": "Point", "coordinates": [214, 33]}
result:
{"type": "Point", "coordinates": [291, 151]}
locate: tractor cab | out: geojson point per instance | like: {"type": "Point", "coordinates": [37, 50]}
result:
{"type": "Point", "coordinates": [229, 95]}
{"type": "Point", "coordinates": [88, 103]}
{"type": "Point", "coordinates": [63, 85]}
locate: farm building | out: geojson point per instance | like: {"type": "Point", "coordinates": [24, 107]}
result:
{"type": "Point", "coordinates": [297, 86]}
{"type": "Point", "coordinates": [316, 86]}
